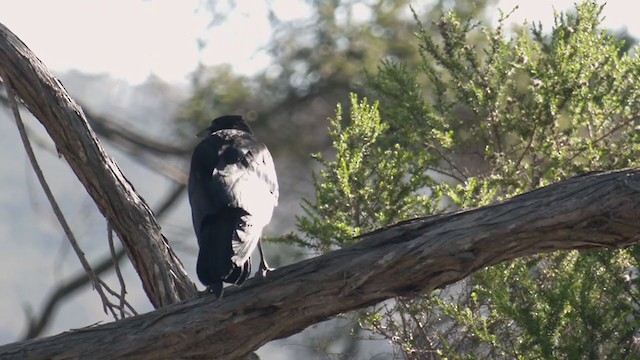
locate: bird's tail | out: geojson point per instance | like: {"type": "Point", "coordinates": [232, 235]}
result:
{"type": "Point", "coordinates": [214, 258]}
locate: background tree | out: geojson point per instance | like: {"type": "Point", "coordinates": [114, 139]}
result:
{"type": "Point", "coordinates": [317, 62]}
{"type": "Point", "coordinates": [491, 119]}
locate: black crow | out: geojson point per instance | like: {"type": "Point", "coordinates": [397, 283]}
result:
{"type": "Point", "coordinates": [232, 191]}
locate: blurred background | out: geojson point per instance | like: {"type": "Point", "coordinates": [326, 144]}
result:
{"type": "Point", "coordinates": [149, 74]}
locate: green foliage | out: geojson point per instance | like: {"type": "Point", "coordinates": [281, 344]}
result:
{"type": "Point", "coordinates": [569, 305]}
{"type": "Point", "coordinates": [485, 116]}
{"type": "Point", "coordinates": [366, 186]}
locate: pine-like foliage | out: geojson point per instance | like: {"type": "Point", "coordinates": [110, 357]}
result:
{"type": "Point", "coordinates": [487, 116]}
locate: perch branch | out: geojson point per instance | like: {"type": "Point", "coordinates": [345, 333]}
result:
{"type": "Point", "coordinates": [586, 212]}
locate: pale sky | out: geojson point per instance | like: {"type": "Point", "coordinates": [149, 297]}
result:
{"type": "Point", "coordinates": [132, 39]}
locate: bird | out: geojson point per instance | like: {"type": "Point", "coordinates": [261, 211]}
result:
{"type": "Point", "coordinates": [233, 189]}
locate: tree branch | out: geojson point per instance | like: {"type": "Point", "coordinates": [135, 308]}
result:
{"type": "Point", "coordinates": [98, 284]}
{"type": "Point", "coordinates": [141, 148]}
{"type": "Point", "coordinates": [122, 135]}
{"type": "Point", "coordinates": [36, 325]}
{"type": "Point", "coordinates": [420, 255]}
{"type": "Point", "coordinates": [163, 276]}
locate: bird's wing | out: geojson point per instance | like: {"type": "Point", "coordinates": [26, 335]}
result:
{"type": "Point", "coordinates": [231, 169]}
{"type": "Point", "coordinates": [247, 172]}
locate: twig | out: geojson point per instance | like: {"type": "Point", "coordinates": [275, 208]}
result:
{"type": "Point", "coordinates": [446, 173]}
{"type": "Point", "coordinates": [123, 288]}
{"type": "Point", "coordinates": [47, 190]}
{"type": "Point", "coordinates": [451, 164]}
{"type": "Point", "coordinates": [526, 149]}
{"type": "Point", "coordinates": [37, 325]}
{"type": "Point", "coordinates": [112, 307]}
{"type": "Point", "coordinates": [607, 134]}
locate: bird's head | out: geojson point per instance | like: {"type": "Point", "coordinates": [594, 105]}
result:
{"type": "Point", "coordinates": [226, 122]}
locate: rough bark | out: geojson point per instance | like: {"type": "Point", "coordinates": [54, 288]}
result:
{"type": "Point", "coordinates": [163, 276]}
{"type": "Point", "coordinates": [591, 211]}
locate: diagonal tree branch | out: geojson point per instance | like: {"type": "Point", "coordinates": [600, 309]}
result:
{"type": "Point", "coordinates": [98, 284]}
{"type": "Point", "coordinates": [163, 276]}
{"type": "Point", "coordinates": [420, 255]}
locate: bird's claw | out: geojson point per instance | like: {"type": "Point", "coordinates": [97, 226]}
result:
{"type": "Point", "coordinates": [263, 271]}
{"type": "Point", "coordinates": [215, 289]}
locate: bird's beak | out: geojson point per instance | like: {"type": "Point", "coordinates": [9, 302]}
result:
{"type": "Point", "coordinates": [204, 132]}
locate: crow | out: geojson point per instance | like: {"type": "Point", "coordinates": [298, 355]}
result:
{"type": "Point", "coordinates": [233, 190]}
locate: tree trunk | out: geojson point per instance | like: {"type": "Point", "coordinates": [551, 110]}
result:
{"type": "Point", "coordinates": [163, 276]}
{"type": "Point", "coordinates": [591, 211]}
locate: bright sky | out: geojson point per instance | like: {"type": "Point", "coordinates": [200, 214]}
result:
{"type": "Point", "coordinates": [131, 39]}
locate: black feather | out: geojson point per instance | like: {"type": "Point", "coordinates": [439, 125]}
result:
{"type": "Point", "coordinates": [232, 191]}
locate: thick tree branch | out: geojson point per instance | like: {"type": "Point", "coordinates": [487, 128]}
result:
{"type": "Point", "coordinates": [585, 212]}
{"type": "Point", "coordinates": [163, 276]}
